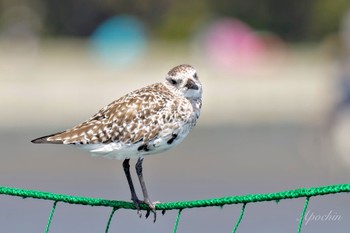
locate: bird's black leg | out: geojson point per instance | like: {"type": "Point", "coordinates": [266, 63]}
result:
{"type": "Point", "coordinates": [134, 197]}
{"type": "Point", "coordinates": [147, 201]}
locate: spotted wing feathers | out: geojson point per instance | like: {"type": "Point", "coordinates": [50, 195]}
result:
{"type": "Point", "coordinates": [138, 116]}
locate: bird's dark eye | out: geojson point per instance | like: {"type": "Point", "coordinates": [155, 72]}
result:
{"type": "Point", "coordinates": [195, 76]}
{"type": "Point", "coordinates": [173, 81]}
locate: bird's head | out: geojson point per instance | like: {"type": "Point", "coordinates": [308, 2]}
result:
{"type": "Point", "coordinates": [183, 81]}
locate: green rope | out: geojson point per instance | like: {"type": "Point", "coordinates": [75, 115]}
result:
{"type": "Point", "coordinates": [177, 220]}
{"type": "Point", "coordinates": [50, 217]}
{"type": "Point", "coordinates": [297, 193]}
{"type": "Point", "coordinates": [239, 218]}
{"type": "Point", "coordinates": [110, 219]}
{"type": "Point", "coordinates": [303, 214]}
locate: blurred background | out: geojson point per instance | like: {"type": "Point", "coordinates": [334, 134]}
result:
{"type": "Point", "coordinates": [276, 116]}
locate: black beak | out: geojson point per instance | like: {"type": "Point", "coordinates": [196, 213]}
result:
{"type": "Point", "coordinates": [191, 85]}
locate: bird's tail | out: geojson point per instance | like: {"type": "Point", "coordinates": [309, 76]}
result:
{"type": "Point", "coordinates": [46, 139]}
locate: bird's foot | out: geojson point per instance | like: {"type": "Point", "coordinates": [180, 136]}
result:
{"type": "Point", "coordinates": [152, 206]}
{"type": "Point", "coordinates": [137, 204]}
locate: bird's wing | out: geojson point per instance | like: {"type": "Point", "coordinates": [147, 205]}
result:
{"type": "Point", "coordinates": [135, 117]}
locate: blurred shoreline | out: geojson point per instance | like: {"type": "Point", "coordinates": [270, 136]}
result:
{"type": "Point", "coordinates": [63, 83]}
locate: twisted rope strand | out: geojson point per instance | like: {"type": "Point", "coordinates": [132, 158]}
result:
{"type": "Point", "coordinates": [303, 214]}
{"type": "Point", "coordinates": [297, 193]}
{"type": "Point", "coordinates": [239, 218]}
{"type": "Point", "coordinates": [110, 219]}
{"type": "Point", "coordinates": [50, 217]}
{"type": "Point", "coordinates": [177, 220]}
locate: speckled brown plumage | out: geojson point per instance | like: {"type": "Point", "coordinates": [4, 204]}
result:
{"type": "Point", "coordinates": [139, 118]}
{"type": "Point", "coordinates": [124, 120]}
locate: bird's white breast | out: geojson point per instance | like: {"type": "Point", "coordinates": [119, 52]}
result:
{"type": "Point", "coordinates": [120, 150]}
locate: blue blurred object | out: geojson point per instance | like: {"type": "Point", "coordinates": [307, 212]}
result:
{"type": "Point", "coordinates": [119, 41]}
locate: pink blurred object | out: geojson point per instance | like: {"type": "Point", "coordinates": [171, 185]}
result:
{"type": "Point", "coordinates": [232, 45]}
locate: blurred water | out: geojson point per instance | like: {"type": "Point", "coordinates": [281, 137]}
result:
{"type": "Point", "coordinates": [212, 162]}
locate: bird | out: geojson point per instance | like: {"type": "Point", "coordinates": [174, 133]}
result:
{"type": "Point", "coordinates": [144, 122]}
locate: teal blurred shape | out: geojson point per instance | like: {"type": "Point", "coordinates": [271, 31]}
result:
{"type": "Point", "coordinates": [119, 41]}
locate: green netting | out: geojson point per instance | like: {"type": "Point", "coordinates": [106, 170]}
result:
{"type": "Point", "coordinates": [245, 199]}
